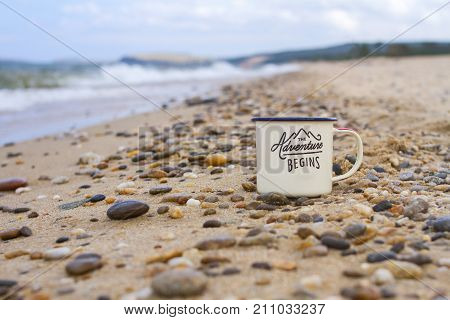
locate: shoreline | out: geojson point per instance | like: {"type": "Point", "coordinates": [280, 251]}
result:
{"type": "Point", "coordinates": [398, 106]}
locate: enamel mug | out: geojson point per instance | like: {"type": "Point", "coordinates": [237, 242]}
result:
{"type": "Point", "coordinates": [295, 155]}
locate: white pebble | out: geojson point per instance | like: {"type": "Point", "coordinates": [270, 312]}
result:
{"type": "Point", "coordinates": [57, 197]}
{"type": "Point", "coordinates": [190, 175]}
{"type": "Point", "coordinates": [77, 232]}
{"type": "Point", "coordinates": [193, 203]}
{"type": "Point", "coordinates": [56, 253]}
{"type": "Point", "coordinates": [382, 276]}
{"type": "Point", "coordinates": [23, 189]}
{"type": "Point", "coordinates": [60, 180]}
{"type": "Point", "coordinates": [180, 262]}
{"type": "Point", "coordinates": [125, 185]}
{"type": "Point", "coordinates": [89, 158]}
{"type": "Point", "coordinates": [142, 294]}
{"type": "Point", "coordinates": [444, 262]}
{"type": "Point", "coordinates": [363, 210]}
{"type": "Point", "coordinates": [41, 196]}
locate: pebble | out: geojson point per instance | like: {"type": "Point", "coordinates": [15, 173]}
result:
{"type": "Point", "coordinates": [209, 212]}
{"type": "Point", "coordinates": [10, 234]}
{"type": "Point", "coordinates": [249, 187]}
{"type": "Point", "coordinates": [216, 242]}
{"type": "Point", "coordinates": [179, 283]}
{"type": "Point", "coordinates": [212, 224]}
{"type": "Point", "coordinates": [83, 264]}
{"type": "Point", "coordinates": [162, 209]}
{"type": "Point", "coordinates": [381, 256]}
{"type": "Point", "coordinates": [211, 199]}
{"type": "Point", "coordinates": [335, 243]}
{"type": "Point", "coordinates": [176, 213]}
{"type": "Point", "coordinates": [403, 269]}
{"type": "Point", "coordinates": [305, 232]}
{"type": "Point", "coordinates": [97, 198]}
{"type": "Point", "coordinates": [311, 282]}
{"type": "Point", "coordinates": [315, 251]}
{"type": "Point", "coordinates": [160, 189]}
{"type": "Point", "coordinates": [407, 176]}
{"type": "Point", "coordinates": [360, 292]}
{"type": "Point", "coordinates": [23, 190]}
{"type": "Point", "coordinates": [60, 180]}
{"type": "Point", "coordinates": [274, 198]}
{"type": "Point", "coordinates": [25, 232]}
{"type": "Point", "coordinates": [236, 198]}
{"type": "Point", "coordinates": [415, 209]}
{"type": "Point", "coordinates": [216, 160]}
{"type": "Point", "coordinates": [260, 239]}
{"type": "Point", "coordinates": [193, 203]}
{"type": "Point", "coordinates": [382, 206]}
{"type": "Point", "coordinates": [62, 239]}
{"type": "Point", "coordinates": [261, 265]}
{"type": "Point", "coordinates": [127, 210]}
{"type": "Point", "coordinates": [416, 258]}
{"type": "Point", "coordinates": [363, 210]}
{"type": "Point", "coordinates": [355, 230]}
{"type": "Point", "coordinates": [73, 205]}
{"type": "Point", "coordinates": [372, 177]}
{"type": "Point", "coordinates": [180, 198]}
{"type": "Point", "coordinates": [57, 253]}
{"type": "Point", "coordinates": [11, 184]}
{"type": "Point", "coordinates": [444, 262]}
{"type": "Point", "coordinates": [190, 175]}
{"type": "Point", "coordinates": [441, 224]}
{"type": "Point", "coordinates": [125, 185]}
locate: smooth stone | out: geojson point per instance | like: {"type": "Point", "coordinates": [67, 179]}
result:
{"type": "Point", "coordinates": [260, 239]}
{"type": "Point", "coordinates": [274, 198]}
{"type": "Point", "coordinates": [162, 209]}
{"type": "Point", "coordinates": [193, 203]}
{"type": "Point", "coordinates": [216, 160]}
{"type": "Point", "coordinates": [236, 198]}
{"type": "Point", "coordinates": [7, 283]}
{"type": "Point", "coordinates": [212, 224]}
{"type": "Point", "coordinates": [305, 232]}
{"type": "Point", "coordinates": [160, 189]}
{"type": "Point", "coordinates": [179, 283]}
{"type": "Point", "coordinates": [249, 186]}
{"type": "Point", "coordinates": [62, 239]}
{"type": "Point", "coordinates": [57, 253]}
{"type": "Point", "coordinates": [127, 210]}
{"type": "Point", "coordinates": [372, 177]}
{"type": "Point", "coordinates": [81, 266]}
{"type": "Point", "coordinates": [73, 205]}
{"type": "Point", "coordinates": [60, 180]}
{"type": "Point", "coordinates": [381, 256]}
{"type": "Point", "coordinates": [261, 265]}
{"type": "Point", "coordinates": [10, 234]}
{"type": "Point", "coordinates": [382, 206]}
{"type": "Point", "coordinates": [11, 184]}
{"type": "Point", "coordinates": [382, 276]}
{"type": "Point", "coordinates": [417, 258]}
{"type": "Point", "coordinates": [97, 198]}
{"type": "Point", "coordinates": [180, 198]}
{"type": "Point", "coordinates": [25, 232]}
{"type": "Point", "coordinates": [361, 293]}
{"type": "Point", "coordinates": [335, 243]}
{"type": "Point", "coordinates": [315, 251]}
{"type": "Point", "coordinates": [211, 199]}
{"type": "Point", "coordinates": [355, 230]}
{"type": "Point", "coordinates": [216, 242]}
{"type": "Point", "coordinates": [441, 224]}
{"type": "Point", "coordinates": [407, 176]}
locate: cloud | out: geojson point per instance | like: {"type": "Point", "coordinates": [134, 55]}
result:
{"type": "Point", "coordinates": [342, 20]}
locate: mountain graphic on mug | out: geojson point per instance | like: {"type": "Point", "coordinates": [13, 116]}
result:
{"type": "Point", "coordinates": [301, 142]}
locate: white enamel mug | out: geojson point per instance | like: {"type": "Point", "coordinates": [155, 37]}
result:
{"type": "Point", "coordinates": [295, 155]}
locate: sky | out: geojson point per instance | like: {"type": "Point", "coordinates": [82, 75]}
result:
{"type": "Point", "coordinates": [106, 30]}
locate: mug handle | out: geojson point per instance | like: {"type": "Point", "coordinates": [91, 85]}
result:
{"type": "Point", "coordinates": [359, 154]}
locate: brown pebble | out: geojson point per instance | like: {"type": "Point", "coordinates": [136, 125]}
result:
{"type": "Point", "coordinates": [212, 224]}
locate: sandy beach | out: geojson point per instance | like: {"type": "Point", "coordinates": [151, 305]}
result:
{"type": "Point", "coordinates": [390, 220]}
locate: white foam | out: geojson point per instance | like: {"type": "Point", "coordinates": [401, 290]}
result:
{"type": "Point", "coordinates": [101, 84]}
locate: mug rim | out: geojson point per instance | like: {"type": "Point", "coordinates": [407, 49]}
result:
{"type": "Point", "coordinates": [294, 119]}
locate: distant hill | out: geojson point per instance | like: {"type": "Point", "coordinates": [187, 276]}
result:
{"type": "Point", "coordinates": [344, 51]}
{"type": "Point", "coordinates": [163, 60]}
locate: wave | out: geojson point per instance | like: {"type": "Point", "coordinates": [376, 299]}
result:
{"type": "Point", "coordinates": [99, 84]}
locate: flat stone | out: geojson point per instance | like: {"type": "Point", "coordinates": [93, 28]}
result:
{"type": "Point", "coordinates": [335, 243]}
{"type": "Point", "coordinates": [73, 205]}
{"type": "Point", "coordinates": [236, 198]}
{"type": "Point", "coordinates": [81, 266]}
{"type": "Point", "coordinates": [162, 209]}
{"type": "Point", "coordinates": [127, 210]}
{"type": "Point", "coordinates": [57, 253]}
{"type": "Point", "coordinates": [381, 256]}
{"type": "Point", "coordinates": [441, 224]}
{"type": "Point", "coordinates": [212, 224]}
{"type": "Point", "coordinates": [315, 251]}
{"type": "Point", "coordinates": [10, 234]}
{"type": "Point", "coordinates": [160, 189]}
{"type": "Point", "coordinates": [260, 239]}
{"type": "Point", "coordinates": [11, 184]}
{"type": "Point", "coordinates": [382, 206]}
{"type": "Point", "coordinates": [407, 176]}
{"type": "Point", "coordinates": [249, 186]}
{"type": "Point", "coordinates": [211, 199]}
{"type": "Point", "coordinates": [216, 242]}
{"type": "Point", "coordinates": [361, 293]}
{"type": "Point", "coordinates": [305, 232]}
{"type": "Point", "coordinates": [274, 198]}
{"type": "Point", "coordinates": [179, 283]}
{"type": "Point", "coordinates": [60, 180]}
{"type": "Point", "coordinates": [97, 198]}
{"type": "Point", "coordinates": [180, 198]}
{"type": "Point", "coordinates": [416, 258]}
{"type": "Point", "coordinates": [355, 230]}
